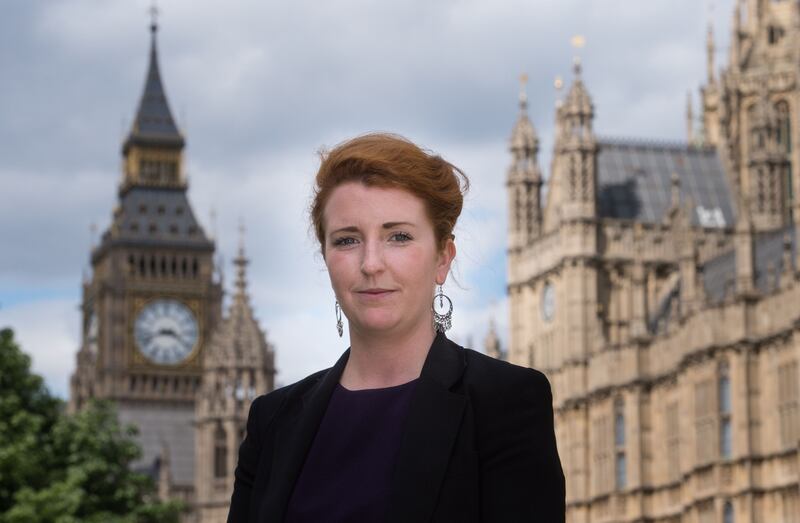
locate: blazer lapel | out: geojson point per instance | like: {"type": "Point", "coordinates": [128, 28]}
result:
{"type": "Point", "coordinates": [293, 441]}
{"type": "Point", "coordinates": [433, 423]}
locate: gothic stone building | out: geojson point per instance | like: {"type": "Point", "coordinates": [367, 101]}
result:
{"type": "Point", "coordinates": [155, 340]}
{"type": "Point", "coordinates": [658, 287]}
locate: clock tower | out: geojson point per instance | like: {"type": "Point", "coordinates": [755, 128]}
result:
{"type": "Point", "coordinates": [151, 302]}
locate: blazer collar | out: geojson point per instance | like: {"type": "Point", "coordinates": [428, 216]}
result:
{"type": "Point", "coordinates": [432, 425]}
{"type": "Point", "coordinates": [433, 422]}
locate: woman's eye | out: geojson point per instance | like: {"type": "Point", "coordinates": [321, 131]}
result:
{"type": "Point", "coordinates": [400, 237]}
{"type": "Point", "coordinates": [342, 242]}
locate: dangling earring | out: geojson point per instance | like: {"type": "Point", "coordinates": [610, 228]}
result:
{"type": "Point", "coordinates": [442, 321]}
{"type": "Point", "coordinates": [339, 324]}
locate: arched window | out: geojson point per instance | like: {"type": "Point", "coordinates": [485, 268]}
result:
{"type": "Point", "coordinates": [220, 453]}
{"type": "Point", "coordinates": [619, 444]}
{"type": "Point", "coordinates": [724, 394]}
{"type": "Point", "coordinates": [727, 513]}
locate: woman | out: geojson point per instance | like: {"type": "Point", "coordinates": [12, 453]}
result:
{"type": "Point", "coordinates": [407, 426]}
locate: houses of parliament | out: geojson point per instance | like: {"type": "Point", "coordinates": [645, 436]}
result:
{"type": "Point", "coordinates": [657, 285]}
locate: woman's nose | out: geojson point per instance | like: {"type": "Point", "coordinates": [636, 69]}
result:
{"type": "Point", "coordinates": [372, 260]}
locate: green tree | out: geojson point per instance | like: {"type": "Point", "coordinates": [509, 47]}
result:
{"type": "Point", "coordinates": [66, 469]}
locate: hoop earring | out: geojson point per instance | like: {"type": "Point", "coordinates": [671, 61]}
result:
{"type": "Point", "coordinates": [444, 320]}
{"type": "Point", "coordinates": [339, 324]}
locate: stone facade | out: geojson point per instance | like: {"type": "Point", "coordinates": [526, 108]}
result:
{"type": "Point", "coordinates": [658, 288]}
{"type": "Point", "coordinates": [153, 330]}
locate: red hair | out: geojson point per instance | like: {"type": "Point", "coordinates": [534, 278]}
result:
{"type": "Point", "coordinates": [389, 160]}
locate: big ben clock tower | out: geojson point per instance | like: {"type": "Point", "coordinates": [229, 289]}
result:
{"type": "Point", "coordinates": [151, 303]}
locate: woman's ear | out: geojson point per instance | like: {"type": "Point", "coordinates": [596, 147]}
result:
{"type": "Point", "coordinates": [445, 260]}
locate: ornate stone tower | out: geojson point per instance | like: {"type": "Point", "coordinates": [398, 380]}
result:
{"type": "Point", "coordinates": [239, 365]}
{"type": "Point", "coordinates": [768, 166]}
{"type": "Point", "coordinates": [151, 303]}
{"type": "Point", "coordinates": [524, 179]}
{"type": "Point", "coordinates": [574, 160]}
{"type": "Point", "coordinates": [749, 109]}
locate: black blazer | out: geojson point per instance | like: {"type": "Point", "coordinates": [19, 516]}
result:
{"type": "Point", "coordinates": [478, 444]}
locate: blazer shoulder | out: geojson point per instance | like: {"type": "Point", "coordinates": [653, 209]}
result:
{"type": "Point", "coordinates": [497, 377]}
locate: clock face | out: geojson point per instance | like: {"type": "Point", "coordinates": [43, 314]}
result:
{"type": "Point", "coordinates": [165, 331]}
{"type": "Point", "coordinates": [548, 301]}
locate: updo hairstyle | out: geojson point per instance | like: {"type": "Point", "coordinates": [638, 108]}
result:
{"type": "Point", "coordinates": [389, 160]}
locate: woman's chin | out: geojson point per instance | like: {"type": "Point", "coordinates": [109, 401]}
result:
{"type": "Point", "coordinates": [377, 324]}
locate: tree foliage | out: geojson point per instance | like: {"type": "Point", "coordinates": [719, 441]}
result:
{"type": "Point", "coordinates": [59, 468]}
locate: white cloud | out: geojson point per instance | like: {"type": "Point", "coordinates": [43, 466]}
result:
{"type": "Point", "coordinates": [47, 330]}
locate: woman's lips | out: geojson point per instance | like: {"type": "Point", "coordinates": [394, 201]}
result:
{"type": "Point", "coordinates": [374, 293]}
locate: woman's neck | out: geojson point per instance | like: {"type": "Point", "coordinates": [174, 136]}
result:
{"type": "Point", "coordinates": [386, 361]}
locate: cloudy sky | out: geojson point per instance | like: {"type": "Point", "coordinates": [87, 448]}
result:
{"type": "Point", "coordinates": [259, 87]}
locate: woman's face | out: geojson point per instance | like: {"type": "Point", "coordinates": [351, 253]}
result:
{"type": "Point", "coordinates": [382, 258]}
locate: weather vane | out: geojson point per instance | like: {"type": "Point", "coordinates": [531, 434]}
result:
{"type": "Point", "coordinates": [578, 42]}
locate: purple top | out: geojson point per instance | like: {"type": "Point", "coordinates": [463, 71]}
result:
{"type": "Point", "coordinates": [347, 473]}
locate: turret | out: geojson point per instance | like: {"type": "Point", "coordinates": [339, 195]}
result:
{"type": "Point", "coordinates": [767, 165]}
{"type": "Point", "coordinates": [524, 179]}
{"type": "Point", "coordinates": [576, 151]}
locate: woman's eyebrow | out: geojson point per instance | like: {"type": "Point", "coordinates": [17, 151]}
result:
{"type": "Point", "coordinates": [391, 225]}
{"type": "Point", "coordinates": [349, 228]}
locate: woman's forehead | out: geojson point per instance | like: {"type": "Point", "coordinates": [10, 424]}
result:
{"type": "Point", "coordinates": [359, 203]}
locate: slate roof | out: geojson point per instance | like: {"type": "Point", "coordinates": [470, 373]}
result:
{"type": "Point", "coordinates": [154, 123]}
{"type": "Point", "coordinates": [719, 274]}
{"type": "Point", "coordinates": [635, 182]}
{"type": "Point", "coordinates": [156, 216]}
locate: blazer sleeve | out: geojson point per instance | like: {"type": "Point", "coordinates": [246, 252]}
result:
{"type": "Point", "coordinates": [262, 411]}
{"type": "Point", "coordinates": [521, 475]}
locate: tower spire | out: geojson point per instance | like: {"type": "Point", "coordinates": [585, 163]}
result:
{"type": "Point", "coordinates": [689, 119]}
{"type": "Point", "coordinates": [154, 124]}
{"type": "Point", "coordinates": [241, 262]}
{"type": "Point", "coordinates": [524, 141]}
{"type": "Point", "coordinates": [153, 149]}
{"type": "Point", "coordinates": [710, 52]}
